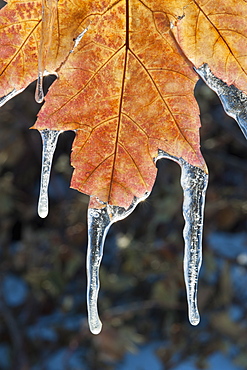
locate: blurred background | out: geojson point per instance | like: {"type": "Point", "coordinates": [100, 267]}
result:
{"type": "Point", "coordinates": [142, 301]}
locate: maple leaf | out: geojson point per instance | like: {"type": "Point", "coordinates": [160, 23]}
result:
{"type": "Point", "coordinates": [125, 101]}
{"type": "Point", "coordinates": [126, 89]}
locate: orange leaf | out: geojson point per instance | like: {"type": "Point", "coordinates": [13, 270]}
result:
{"type": "Point", "coordinates": [24, 40]}
{"type": "Point", "coordinates": [214, 32]}
{"type": "Point", "coordinates": [126, 86]}
{"type": "Point", "coordinates": [19, 34]}
{"type": "Point", "coordinates": [128, 92]}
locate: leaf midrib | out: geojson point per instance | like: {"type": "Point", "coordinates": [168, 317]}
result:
{"type": "Point", "coordinates": [121, 98]}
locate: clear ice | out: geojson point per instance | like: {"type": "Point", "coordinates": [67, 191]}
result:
{"type": "Point", "coordinates": [39, 92]}
{"type": "Point", "coordinates": [9, 96]}
{"type": "Point", "coordinates": [49, 139]}
{"type": "Point", "coordinates": [234, 101]}
{"type": "Point", "coordinates": [49, 12]}
{"type": "Point", "coordinates": [78, 39]}
{"type": "Point", "coordinates": [194, 183]}
{"type": "Point", "coordinates": [99, 222]}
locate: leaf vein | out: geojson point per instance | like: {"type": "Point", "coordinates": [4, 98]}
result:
{"type": "Point", "coordinates": [134, 162]}
{"type": "Point", "coordinates": [165, 103]}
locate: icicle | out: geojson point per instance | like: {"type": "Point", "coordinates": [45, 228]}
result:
{"type": "Point", "coordinates": [98, 226]}
{"type": "Point", "coordinates": [39, 92]}
{"type": "Point", "coordinates": [99, 222]}
{"type": "Point", "coordinates": [49, 139]}
{"type": "Point", "coordinates": [9, 96]}
{"type": "Point", "coordinates": [194, 183]}
{"type": "Point", "coordinates": [234, 101]}
{"type": "Point", "coordinates": [49, 13]}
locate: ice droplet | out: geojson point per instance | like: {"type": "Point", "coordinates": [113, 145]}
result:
{"type": "Point", "coordinates": [194, 183]}
{"type": "Point", "coordinates": [49, 139]}
{"type": "Point", "coordinates": [99, 222]}
{"type": "Point", "coordinates": [234, 101]}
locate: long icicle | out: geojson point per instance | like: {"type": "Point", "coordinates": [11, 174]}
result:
{"type": "Point", "coordinates": [194, 183]}
{"type": "Point", "coordinates": [99, 222]}
{"type": "Point", "coordinates": [49, 139]}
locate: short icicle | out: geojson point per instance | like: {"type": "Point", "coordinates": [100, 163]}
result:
{"type": "Point", "coordinates": [49, 139]}
{"type": "Point", "coordinates": [99, 222]}
{"type": "Point", "coordinates": [39, 92]}
{"type": "Point", "coordinates": [194, 183]}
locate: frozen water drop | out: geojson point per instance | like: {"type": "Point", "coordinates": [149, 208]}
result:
{"type": "Point", "coordinates": [43, 208]}
{"type": "Point", "coordinates": [194, 316]}
{"type": "Point", "coordinates": [49, 139]}
{"type": "Point", "coordinates": [39, 92]}
{"type": "Point", "coordinates": [194, 183]}
{"type": "Point", "coordinates": [99, 222]}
